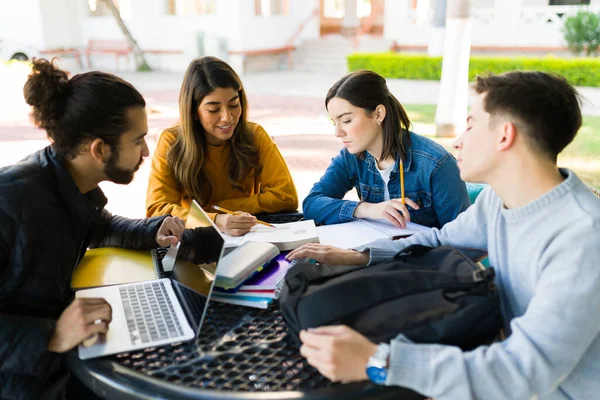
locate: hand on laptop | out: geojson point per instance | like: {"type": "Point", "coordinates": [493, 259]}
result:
{"type": "Point", "coordinates": [235, 225]}
{"type": "Point", "coordinates": [170, 232]}
{"type": "Point", "coordinates": [329, 255]}
{"type": "Point", "coordinates": [80, 321]}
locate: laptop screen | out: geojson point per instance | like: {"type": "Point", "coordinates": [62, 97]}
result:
{"type": "Point", "coordinates": [201, 278]}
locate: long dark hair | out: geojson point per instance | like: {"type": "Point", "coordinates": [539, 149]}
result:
{"type": "Point", "coordinates": [187, 154]}
{"type": "Point", "coordinates": [367, 89]}
{"type": "Point", "coordinates": [73, 111]}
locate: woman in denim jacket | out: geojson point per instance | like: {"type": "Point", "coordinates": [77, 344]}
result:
{"type": "Point", "coordinates": [373, 127]}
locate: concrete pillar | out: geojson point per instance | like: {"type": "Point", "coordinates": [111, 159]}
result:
{"type": "Point", "coordinates": [350, 22]}
{"type": "Point", "coordinates": [451, 111]}
{"type": "Point", "coordinates": [435, 47]}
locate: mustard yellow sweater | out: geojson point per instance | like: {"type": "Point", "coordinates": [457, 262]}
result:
{"type": "Point", "coordinates": [272, 191]}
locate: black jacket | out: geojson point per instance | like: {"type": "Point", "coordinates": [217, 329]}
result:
{"type": "Point", "coordinates": [46, 225]}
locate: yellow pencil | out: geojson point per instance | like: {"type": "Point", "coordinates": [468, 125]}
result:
{"type": "Point", "coordinates": [226, 211]}
{"type": "Point", "coordinates": [402, 180]}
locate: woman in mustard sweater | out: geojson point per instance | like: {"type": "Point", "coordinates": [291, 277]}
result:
{"type": "Point", "coordinates": [216, 156]}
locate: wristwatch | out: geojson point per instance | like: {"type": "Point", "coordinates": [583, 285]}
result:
{"type": "Point", "coordinates": [377, 366]}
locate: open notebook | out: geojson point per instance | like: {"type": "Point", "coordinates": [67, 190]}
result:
{"type": "Point", "coordinates": [362, 231]}
{"type": "Point", "coordinates": [286, 236]}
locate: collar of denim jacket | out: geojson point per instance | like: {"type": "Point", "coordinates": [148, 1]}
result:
{"type": "Point", "coordinates": [407, 162]}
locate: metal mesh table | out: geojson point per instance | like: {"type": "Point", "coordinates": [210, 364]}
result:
{"type": "Point", "coordinates": [241, 353]}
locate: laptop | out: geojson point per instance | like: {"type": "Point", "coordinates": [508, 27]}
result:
{"type": "Point", "coordinates": [152, 313]}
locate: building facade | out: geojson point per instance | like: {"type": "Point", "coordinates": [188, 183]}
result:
{"type": "Point", "coordinates": [244, 32]}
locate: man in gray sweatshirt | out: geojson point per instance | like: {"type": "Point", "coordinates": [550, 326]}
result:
{"type": "Point", "coordinates": [541, 227]}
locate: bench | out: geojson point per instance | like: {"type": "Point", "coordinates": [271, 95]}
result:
{"type": "Point", "coordinates": [116, 47]}
{"type": "Point", "coordinates": [119, 48]}
{"type": "Point", "coordinates": [66, 51]}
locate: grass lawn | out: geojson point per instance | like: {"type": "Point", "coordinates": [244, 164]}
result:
{"type": "Point", "coordinates": [582, 155]}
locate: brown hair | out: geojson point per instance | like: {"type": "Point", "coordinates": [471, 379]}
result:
{"type": "Point", "coordinates": [546, 107]}
{"type": "Point", "coordinates": [367, 89]}
{"type": "Point", "coordinates": [187, 154]}
{"type": "Point", "coordinates": [85, 107]}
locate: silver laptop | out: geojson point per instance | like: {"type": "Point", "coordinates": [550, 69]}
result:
{"type": "Point", "coordinates": [152, 313]}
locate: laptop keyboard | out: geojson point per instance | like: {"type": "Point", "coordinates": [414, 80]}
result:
{"type": "Point", "coordinates": [149, 313]}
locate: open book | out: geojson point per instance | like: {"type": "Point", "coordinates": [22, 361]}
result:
{"type": "Point", "coordinates": [362, 231]}
{"type": "Point", "coordinates": [286, 236]}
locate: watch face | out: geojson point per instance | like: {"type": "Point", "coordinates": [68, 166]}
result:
{"type": "Point", "coordinates": [377, 375]}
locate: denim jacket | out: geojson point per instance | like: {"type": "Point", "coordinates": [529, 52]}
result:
{"type": "Point", "coordinates": [431, 180]}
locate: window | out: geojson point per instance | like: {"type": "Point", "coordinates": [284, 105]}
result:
{"type": "Point", "coordinates": [171, 9]}
{"type": "Point", "coordinates": [191, 7]}
{"type": "Point", "coordinates": [337, 8]}
{"type": "Point", "coordinates": [98, 8]}
{"type": "Point", "coordinates": [363, 8]}
{"type": "Point", "coordinates": [334, 8]}
{"type": "Point", "coordinates": [268, 8]}
{"type": "Point", "coordinates": [569, 2]}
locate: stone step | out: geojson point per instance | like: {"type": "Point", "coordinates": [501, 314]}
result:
{"type": "Point", "coordinates": [329, 54]}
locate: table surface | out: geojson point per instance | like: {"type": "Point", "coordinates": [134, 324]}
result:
{"type": "Point", "coordinates": [240, 353]}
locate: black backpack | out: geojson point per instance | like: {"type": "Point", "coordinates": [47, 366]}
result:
{"type": "Point", "coordinates": [430, 295]}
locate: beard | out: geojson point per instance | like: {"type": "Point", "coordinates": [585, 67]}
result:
{"type": "Point", "coordinates": [117, 174]}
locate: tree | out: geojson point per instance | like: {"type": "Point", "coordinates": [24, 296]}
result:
{"type": "Point", "coordinates": [451, 110]}
{"type": "Point", "coordinates": [140, 60]}
{"type": "Point", "coordinates": [582, 32]}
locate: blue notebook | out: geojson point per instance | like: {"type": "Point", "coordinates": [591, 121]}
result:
{"type": "Point", "coordinates": [247, 301]}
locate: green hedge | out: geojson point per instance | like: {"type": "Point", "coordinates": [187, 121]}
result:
{"type": "Point", "coordinates": [578, 71]}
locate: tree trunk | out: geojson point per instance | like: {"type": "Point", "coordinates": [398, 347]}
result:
{"type": "Point", "coordinates": [435, 47]}
{"type": "Point", "coordinates": [140, 60]}
{"type": "Point", "coordinates": [451, 111]}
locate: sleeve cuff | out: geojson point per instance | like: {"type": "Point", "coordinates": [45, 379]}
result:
{"type": "Point", "coordinates": [347, 210]}
{"type": "Point", "coordinates": [409, 366]}
{"type": "Point", "coordinates": [153, 225]}
{"type": "Point", "coordinates": [379, 251]}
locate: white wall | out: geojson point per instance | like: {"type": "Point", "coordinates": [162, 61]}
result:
{"type": "Point", "coordinates": [20, 27]}
{"type": "Point", "coordinates": [399, 24]}
{"type": "Point", "coordinates": [154, 30]}
{"type": "Point", "coordinates": [264, 32]}
{"type": "Point", "coordinates": [509, 23]}
{"type": "Point", "coordinates": [301, 9]}
{"type": "Point", "coordinates": [534, 3]}
{"type": "Point", "coordinates": [61, 24]}
{"type": "Point", "coordinates": [234, 21]}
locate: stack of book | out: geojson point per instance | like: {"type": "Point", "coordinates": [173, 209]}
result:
{"type": "Point", "coordinates": [260, 289]}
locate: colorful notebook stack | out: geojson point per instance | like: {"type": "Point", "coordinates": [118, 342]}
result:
{"type": "Point", "coordinates": [260, 289]}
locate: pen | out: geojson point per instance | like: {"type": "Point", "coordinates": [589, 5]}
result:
{"type": "Point", "coordinates": [402, 180]}
{"type": "Point", "coordinates": [226, 211]}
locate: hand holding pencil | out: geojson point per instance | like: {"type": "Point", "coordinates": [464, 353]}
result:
{"type": "Point", "coordinates": [236, 223]}
{"type": "Point", "coordinates": [393, 211]}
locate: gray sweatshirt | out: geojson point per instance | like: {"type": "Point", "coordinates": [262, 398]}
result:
{"type": "Point", "coordinates": [546, 255]}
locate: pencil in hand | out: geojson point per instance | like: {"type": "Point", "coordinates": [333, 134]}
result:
{"type": "Point", "coordinates": [226, 211]}
{"type": "Point", "coordinates": [402, 181]}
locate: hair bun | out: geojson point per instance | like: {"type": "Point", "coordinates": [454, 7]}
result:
{"type": "Point", "coordinates": [46, 90]}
